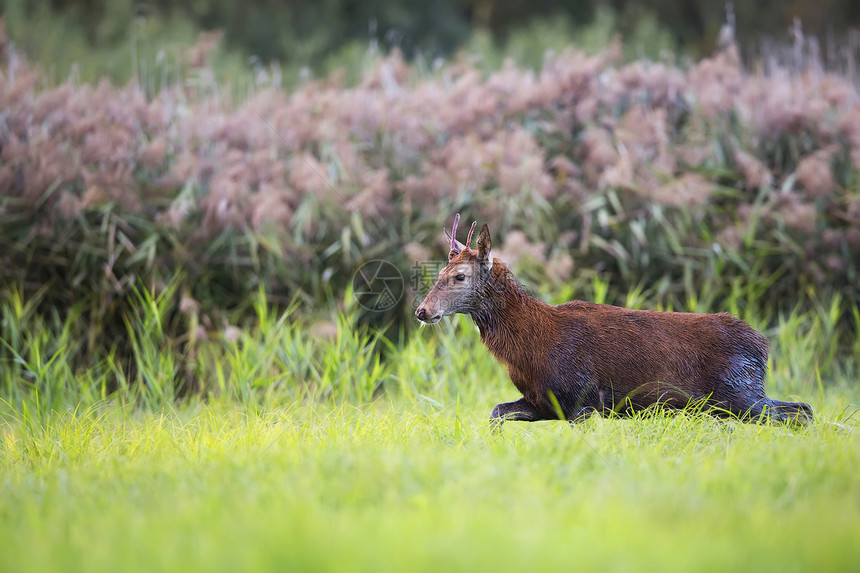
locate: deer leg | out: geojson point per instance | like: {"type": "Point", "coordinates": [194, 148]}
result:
{"type": "Point", "coordinates": [518, 411]}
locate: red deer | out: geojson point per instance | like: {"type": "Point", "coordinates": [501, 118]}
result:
{"type": "Point", "coordinates": [578, 358]}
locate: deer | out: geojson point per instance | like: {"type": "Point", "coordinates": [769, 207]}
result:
{"type": "Point", "coordinates": [579, 358]}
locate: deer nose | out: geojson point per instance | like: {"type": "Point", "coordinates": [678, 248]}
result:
{"type": "Point", "coordinates": [421, 314]}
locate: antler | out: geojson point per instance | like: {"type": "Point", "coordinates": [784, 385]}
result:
{"type": "Point", "coordinates": [471, 230]}
{"type": "Point", "coordinates": [453, 235]}
{"type": "Point", "coordinates": [457, 246]}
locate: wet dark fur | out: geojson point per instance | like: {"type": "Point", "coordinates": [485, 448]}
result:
{"type": "Point", "coordinates": [594, 357]}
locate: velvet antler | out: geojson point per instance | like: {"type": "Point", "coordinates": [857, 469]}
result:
{"type": "Point", "coordinates": [453, 235]}
{"type": "Point", "coordinates": [471, 230]}
{"type": "Point", "coordinates": [457, 246]}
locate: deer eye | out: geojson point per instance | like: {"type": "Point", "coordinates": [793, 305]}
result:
{"type": "Point", "coordinates": [460, 277]}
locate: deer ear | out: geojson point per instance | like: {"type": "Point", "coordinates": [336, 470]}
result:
{"type": "Point", "coordinates": [484, 245]}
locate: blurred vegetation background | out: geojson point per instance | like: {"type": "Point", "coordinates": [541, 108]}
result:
{"type": "Point", "coordinates": [173, 170]}
{"type": "Point", "coordinates": [105, 37]}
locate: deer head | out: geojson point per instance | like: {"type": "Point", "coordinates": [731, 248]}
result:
{"type": "Point", "coordinates": [463, 282]}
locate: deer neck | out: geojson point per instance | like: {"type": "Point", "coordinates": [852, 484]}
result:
{"type": "Point", "coordinates": [509, 318]}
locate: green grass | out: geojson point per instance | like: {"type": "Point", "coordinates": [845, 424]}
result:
{"type": "Point", "coordinates": [310, 453]}
{"type": "Point", "coordinates": [412, 487]}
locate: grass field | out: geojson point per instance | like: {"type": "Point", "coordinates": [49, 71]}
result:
{"type": "Point", "coordinates": [160, 410]}
{"type": "Point", "coordinates": [416, 479]}
{"type": "Point", "coordinates": [421, 488]}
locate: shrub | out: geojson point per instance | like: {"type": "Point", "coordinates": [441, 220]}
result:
{"type": "Point", "coordinates": [673, 181]}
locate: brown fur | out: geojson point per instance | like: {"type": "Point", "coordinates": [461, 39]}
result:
{"type": "Point", "coordinates": [583, 357]}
